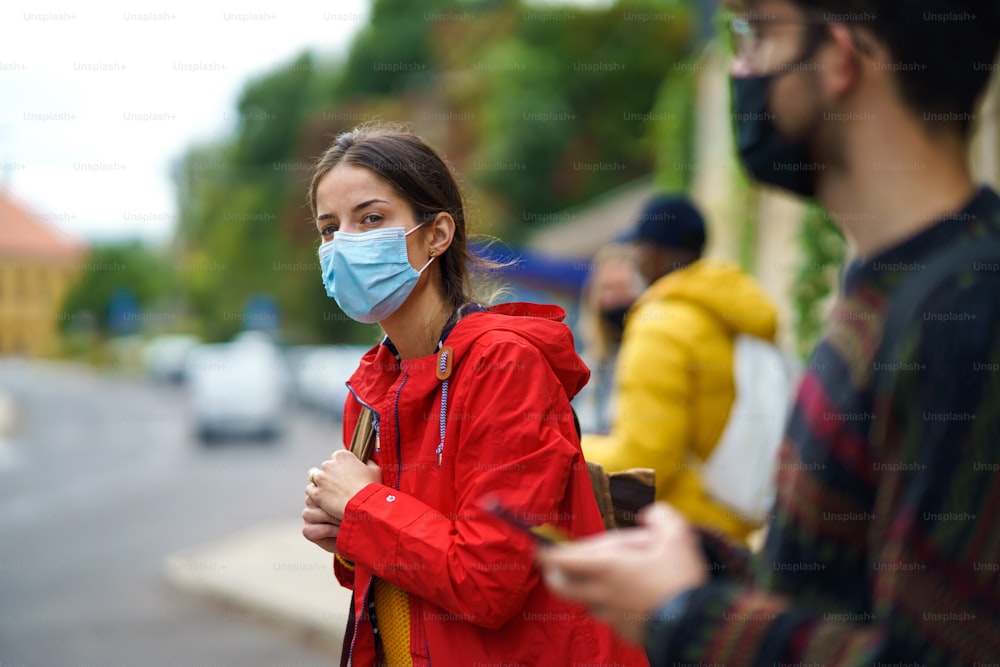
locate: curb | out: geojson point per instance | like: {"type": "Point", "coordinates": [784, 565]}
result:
{"type": "Point", "coordinates": [272, 573]}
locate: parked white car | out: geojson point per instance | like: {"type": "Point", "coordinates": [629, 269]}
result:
{"type": "Point", "coordinates": [165, 357]}
{"type": "Point", "coordinates": [320, 374]}
{"type": "Point", "coordinates": [238, 389]}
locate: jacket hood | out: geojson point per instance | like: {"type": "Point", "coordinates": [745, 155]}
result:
{"type": "Point", "coordinates": [540, 325]}
{"type": "Point", "coordinates": [725, 291]}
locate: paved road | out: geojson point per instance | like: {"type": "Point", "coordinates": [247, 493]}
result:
{"type": "Point", "coordinates": [103, 479]}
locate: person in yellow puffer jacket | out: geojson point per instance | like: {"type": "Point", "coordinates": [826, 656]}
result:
{"type": "Point", "coordinates": [674, 381]}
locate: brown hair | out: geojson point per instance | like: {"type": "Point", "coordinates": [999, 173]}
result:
{"type": "Point", "coordinates": [421, 177]}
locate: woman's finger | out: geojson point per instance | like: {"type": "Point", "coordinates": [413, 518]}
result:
{"type": "Point", "coordinates": [320, 531]}
{"type": "Point", "coordinates": [316, 515]}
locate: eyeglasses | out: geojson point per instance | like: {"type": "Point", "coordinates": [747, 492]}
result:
{"type": "Point", "coordinates": [745, 31]}
{"type": "Point", "coordinates": [748, 37]}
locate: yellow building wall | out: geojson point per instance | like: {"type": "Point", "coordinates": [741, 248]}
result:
{"type": "Point", "coordinates": [31, 296]}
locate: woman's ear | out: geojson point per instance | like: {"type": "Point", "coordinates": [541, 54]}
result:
{"type": "Point", "coordinates": [441, 231]}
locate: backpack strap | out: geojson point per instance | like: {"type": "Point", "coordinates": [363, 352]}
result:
{"type": "Point", "coordinates": [620, 495]}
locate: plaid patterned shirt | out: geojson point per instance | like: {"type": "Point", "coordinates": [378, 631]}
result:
{"type": "Point", "coordinates": [884, 547]}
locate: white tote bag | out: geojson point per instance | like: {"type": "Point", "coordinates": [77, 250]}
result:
{"type": "Point", "coordinates": [740, 471]}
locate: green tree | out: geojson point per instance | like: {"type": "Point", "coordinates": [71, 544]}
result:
{"type": "Point", "coordinates": [823, 251]}
{"type": "Point", "coordinates": [538, 109]}
{"type": "Point", "coordinates": [394, 52]}
{"type": "Point", "coordinates": [113, 269]}
{"type": "Point", "coordinates": [271, 108]}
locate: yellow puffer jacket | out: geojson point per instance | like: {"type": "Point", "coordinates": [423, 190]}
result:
{"type": "Point", "coordinates": [674, 383]}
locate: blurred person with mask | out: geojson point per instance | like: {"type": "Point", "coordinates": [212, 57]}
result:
{"type": "Point", "coordinates": [469, 414]}
{"type": "Point", "coordinates": [884, 546]}
{"type": "Point", "coordinates": [674, 383]}
{"type": "Point", "coordinates": [612, 287]}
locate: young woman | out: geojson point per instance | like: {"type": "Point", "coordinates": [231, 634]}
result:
{"type": "Point", "coordinates": [471, 408]}
{"type": "Point", "coordinates": [612, 287]}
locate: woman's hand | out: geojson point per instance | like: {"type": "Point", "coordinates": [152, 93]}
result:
{"type": "Point", "coordinates": [320, 527]}
{"type": "Point", "coordinates": [338, 479]}
{"type": "Point", "coordinates": [626, 575]}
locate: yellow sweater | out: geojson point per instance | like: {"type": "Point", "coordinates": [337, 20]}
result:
{"type": "Point", "coordinates": [392, 608]}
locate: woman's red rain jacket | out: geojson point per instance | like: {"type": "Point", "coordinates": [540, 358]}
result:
{"type": "Point", "coordinates": [475, 595]}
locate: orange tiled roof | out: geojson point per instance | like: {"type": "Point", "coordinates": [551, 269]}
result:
{"type": "Point", "coordinates": [25, 235]}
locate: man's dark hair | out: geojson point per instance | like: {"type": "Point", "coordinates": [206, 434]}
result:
{"type": "Point", "coordinates": [944, 51]}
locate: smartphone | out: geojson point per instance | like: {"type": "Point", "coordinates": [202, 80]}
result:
{"type": "Point", "coordinates": [545, 534]}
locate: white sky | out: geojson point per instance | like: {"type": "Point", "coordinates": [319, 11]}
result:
{"type": "Point", "coordinates": [67, 147]}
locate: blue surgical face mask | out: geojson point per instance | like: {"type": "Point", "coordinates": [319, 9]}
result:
{"type": "Point", "coordinates": [369, 274]}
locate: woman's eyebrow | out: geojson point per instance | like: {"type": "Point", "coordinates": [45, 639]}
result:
{"type": "Point", "coordinates": [369, 203]}
{"type": "Point", "coordinates": [330, 216]}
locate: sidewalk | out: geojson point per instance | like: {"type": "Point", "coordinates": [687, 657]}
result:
{"type": "Point", "coordinates": [271, 572]}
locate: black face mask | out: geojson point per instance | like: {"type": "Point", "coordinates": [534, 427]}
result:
{"type": "Point", "coordinates": [767, 156]}
{"type": "Point", "coordinates": [615, 316]}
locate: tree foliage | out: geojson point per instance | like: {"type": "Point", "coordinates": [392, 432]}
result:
{"type": "Point", "coordinates": [537, 108]}
{"type": "Point", "coordinates": [823, 251]}
{"type": "Point", "coordinates": [127, 271]}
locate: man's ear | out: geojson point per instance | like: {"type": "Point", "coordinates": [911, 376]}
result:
{"type": "Point", "coordinates": [440, 232]}
{"type": "Point", "coordinates": [841, 62]}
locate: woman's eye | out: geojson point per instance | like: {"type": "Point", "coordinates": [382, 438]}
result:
{"type": "Point", "coordinates": [371, 219]}
{"type": "Point", "coordinates": [328, 230]}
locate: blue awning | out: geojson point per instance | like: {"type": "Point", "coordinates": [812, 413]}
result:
{"type": "Point", "coordinates": [524, 266]}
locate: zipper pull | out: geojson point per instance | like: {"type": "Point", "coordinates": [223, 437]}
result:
{"type": "Point", "coordinates": [445, 360]}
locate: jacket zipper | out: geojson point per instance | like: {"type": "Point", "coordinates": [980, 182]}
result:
{"type": "Point", "coordinates": [368, 588]}
{"type": "Point", "coordinates": [399, 446]}
{"type": "Point", "coordinates": [427, 647]}
{"type": "Point", "coordinates": [418, 612]}
{"type": "Point", "coordinates": [357, 622]}
{"type": "Point", "coordinates": [399, 475]}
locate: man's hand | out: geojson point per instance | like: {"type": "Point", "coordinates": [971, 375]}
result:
{"type": "Point", "coordinates": [626, 575]}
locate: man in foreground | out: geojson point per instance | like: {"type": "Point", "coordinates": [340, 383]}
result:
{"type": "Point", "coordinates": [885, 542]}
